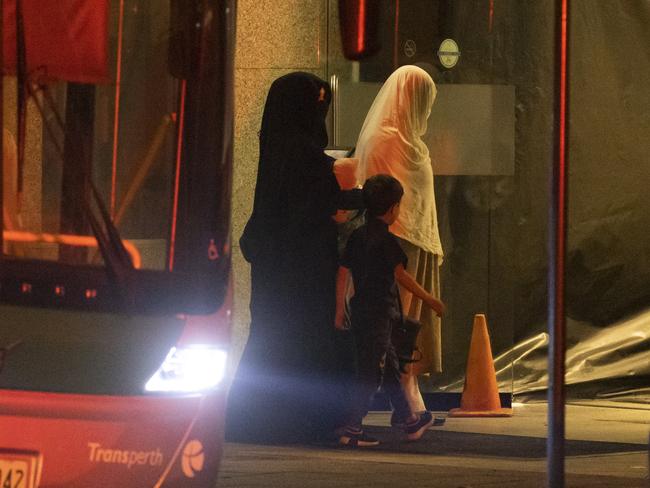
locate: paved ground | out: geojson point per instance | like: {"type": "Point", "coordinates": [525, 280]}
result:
{"type": "Point", "coordinates": [607, 446]}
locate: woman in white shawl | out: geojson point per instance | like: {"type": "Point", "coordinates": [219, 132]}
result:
{"type": "Point", "coordinates": [390, 142]}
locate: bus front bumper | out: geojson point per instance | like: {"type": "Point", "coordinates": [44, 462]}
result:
{"type": "Point", "coordinates": [71, 440]}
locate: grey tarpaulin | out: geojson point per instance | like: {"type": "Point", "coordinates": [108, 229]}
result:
{"type": "Point", "coordinates": [601, 362]}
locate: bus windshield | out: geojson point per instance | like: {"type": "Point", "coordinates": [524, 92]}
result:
{"type": "Point", "coordinates": [116, 156]}
{"type": "Point", "coordinates": [122, 133]}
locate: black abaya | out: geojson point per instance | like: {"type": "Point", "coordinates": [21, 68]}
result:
{"type": "Point", "coordinates": [289, 384]}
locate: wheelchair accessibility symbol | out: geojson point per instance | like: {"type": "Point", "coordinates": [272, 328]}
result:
{"type": "Point", "coordinates": [410, 48]}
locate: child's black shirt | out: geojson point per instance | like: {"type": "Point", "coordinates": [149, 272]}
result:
{"type": "Point", "coordinates": [371, 254]}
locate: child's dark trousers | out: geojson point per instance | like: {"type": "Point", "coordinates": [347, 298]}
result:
{"type": "Point", "coordinates": [377, 366]}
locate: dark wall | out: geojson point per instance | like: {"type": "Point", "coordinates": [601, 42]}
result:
{"type": "Point", "coordinates": [609, 242]}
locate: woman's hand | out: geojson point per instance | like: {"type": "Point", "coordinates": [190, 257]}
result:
{"type": "Point", "coordinates": [345, 171]}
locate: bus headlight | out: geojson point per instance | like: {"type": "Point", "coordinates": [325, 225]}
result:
{"type": "Point", "coordinates": [189, 369]}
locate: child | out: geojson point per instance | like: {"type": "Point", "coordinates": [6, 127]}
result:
{"type": "Point", "coordinates": [377, 262]}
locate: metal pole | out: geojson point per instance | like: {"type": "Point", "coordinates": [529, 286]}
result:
{"type": "Point", "coordinates": [557, 253]}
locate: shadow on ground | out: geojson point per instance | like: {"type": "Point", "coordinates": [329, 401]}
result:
{"type": "Point", "coordinates": [452, 443]}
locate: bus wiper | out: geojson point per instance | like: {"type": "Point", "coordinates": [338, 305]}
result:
{"type": "Point", "coordinates": [110, 243]}
{"type": "Point", "coordinates": [4, 351]}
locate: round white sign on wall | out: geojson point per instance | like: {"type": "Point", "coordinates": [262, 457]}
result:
{"type": "Point", "coordinates": [448, 53]}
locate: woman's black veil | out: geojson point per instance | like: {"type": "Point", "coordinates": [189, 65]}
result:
{"type": "Point", "coordinates": [293, 138]}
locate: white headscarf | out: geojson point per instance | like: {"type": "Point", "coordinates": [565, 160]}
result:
{"type": "Point", "coordinates": [390, 142]}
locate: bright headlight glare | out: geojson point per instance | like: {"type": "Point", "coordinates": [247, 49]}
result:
{"type": "Point", "coordinates": [189, 369]}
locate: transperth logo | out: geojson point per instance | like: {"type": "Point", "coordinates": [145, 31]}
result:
{"type": "Point", "coordinates": [126, 457]}
{"type": "Point", "coordinates": [193, 458]}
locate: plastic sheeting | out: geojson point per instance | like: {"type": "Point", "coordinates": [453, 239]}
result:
{"type": "Point", "coordinates": [610, 362]}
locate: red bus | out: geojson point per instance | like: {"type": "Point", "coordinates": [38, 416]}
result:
{"type": "Point", "coordinates": [115, 283]}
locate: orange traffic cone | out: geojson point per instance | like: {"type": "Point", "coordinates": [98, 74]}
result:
{"type": "Point", "coordinates": [480, 394]}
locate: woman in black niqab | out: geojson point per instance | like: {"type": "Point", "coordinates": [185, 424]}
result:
{"type": "Point", "coordinates": [288, 385]}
